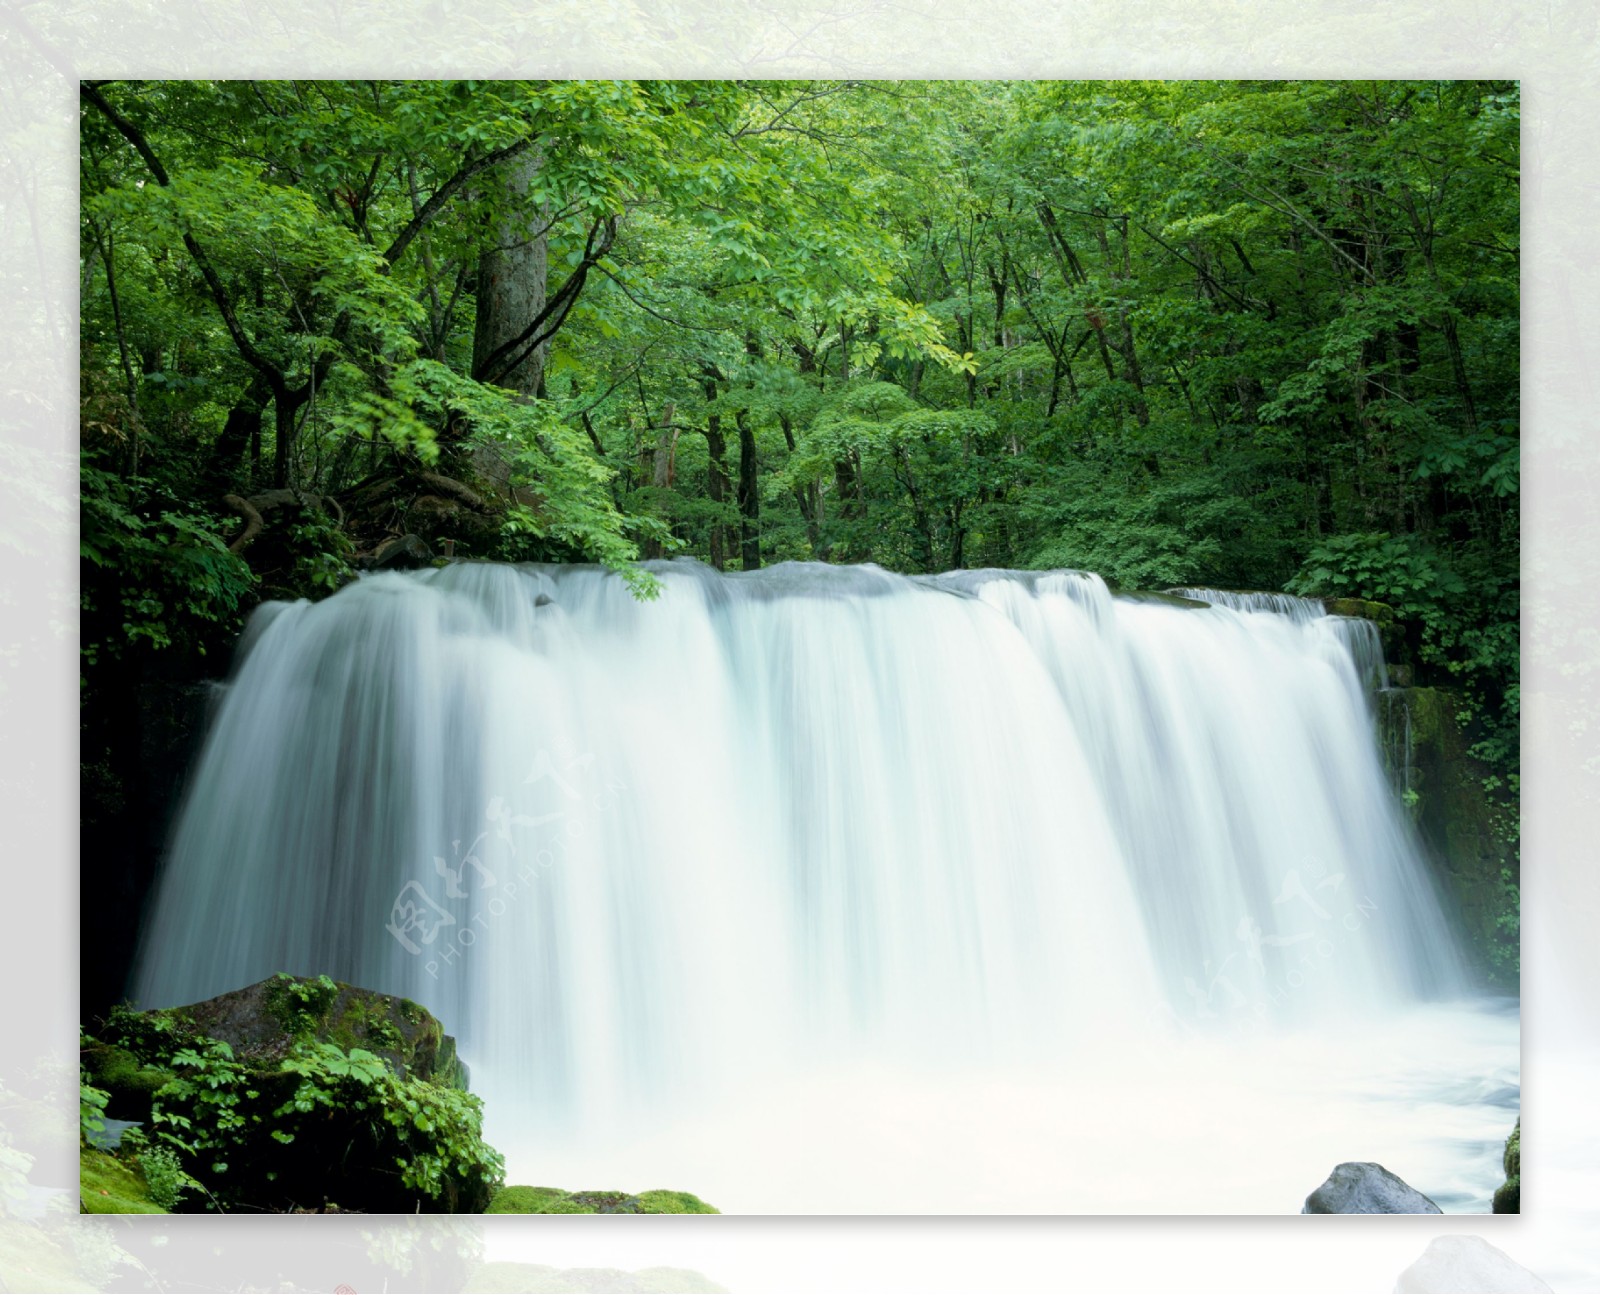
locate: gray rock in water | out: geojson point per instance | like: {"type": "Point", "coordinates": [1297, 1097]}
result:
{"type": "Point", "coordinates": [1359, 1187]}
{"type": "Point", "coordinates": [402, 552]}
{"type": "Point", "coordinates": [1467, 1263]}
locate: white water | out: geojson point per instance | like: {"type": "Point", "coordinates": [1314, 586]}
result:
{"type": "Point", "coordinates": [827, 889]}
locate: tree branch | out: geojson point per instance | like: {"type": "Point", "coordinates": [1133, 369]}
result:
{"type": "Point", "coordinates": [131, 133]}
{"type": "Point", "coordinates": [509, 354]}
{"type": "Point", "coordinates": [448, 190]}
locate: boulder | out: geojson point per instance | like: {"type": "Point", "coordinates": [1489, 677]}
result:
{"type": "Point", "coordinates": [1466, 1264]}
{"type": "Point", "coordinates": [401, 553]}
{"type": "Point", "coordinates": [1360, 1187]}
{"type": "Point", "coordinates": [262, 1021]}
{"type": "Point", "coordinates": [301, 1094]}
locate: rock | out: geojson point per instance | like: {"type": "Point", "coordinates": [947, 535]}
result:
{"type": "Point", "coordinates": [1508, 1196]}
{"type": "Point", "coordinates": [1466, 1264]}
{"type": "Point", "coordinates": [552, 1200]}
{"type": "Point", "coordinates": [1361, 608]}
{"type": "Point", "coordinates": [1468, 832]}
{"type": "Point", "coordinates": [261, 1022]}
{"type": "Point", "coordinates": [1360, 1187]}
{"type": "Point", "coordinates": [302, 1094]}
{"type": "Point", "coordinates": [1166, 598]}
{"type": "Point", "coordinates": [402, 552]}
{"type": "Point", "coordinates": [1391, 630]}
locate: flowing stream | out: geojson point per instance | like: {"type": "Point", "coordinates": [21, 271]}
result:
{"type": "Point", "coordinates": [827, 889]}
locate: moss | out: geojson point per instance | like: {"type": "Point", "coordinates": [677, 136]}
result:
{"type": "Point", "coordinates": [1391, 629]}
{"type": "Point", "coordinates": [131, 1084]}
{"type": "Point", "coordinates": [1365, 609]}
{"type": "Point", "coordinates": [1433, 722]}
{"type": "Point", "coordinates": [1508, 1196]}
{"type": "Point", "coordinates": [663, 1202]}
{"type": "Point", "coordinates": [526, 1200]}
{"type": "Point", "coordinates": [552, 1200]}
{"type": "Point", "coordinates": [107, 1185]}
{"type": "Point", "coordinates": [492, 1278]}
{"type": "Point", "coordinates": [1468, 829]}
{"type": "Point", "coordinates": [301, 1006]}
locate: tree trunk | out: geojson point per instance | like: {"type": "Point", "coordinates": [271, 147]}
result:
{"type": "Point", "coordinates": [749, 498]}
{"type": "Point", "coordinates": [240, 432]}
{"type": "Point", "coordinates": [717, 481]}
{"type": "Point", "coordinates": [512, 275]}
{"type": "Point", "coordinates": [285, 405]}
{"type": "Point", "coordinates": [807, 497]}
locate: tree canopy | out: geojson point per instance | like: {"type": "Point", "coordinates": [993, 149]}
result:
{"type": "Point", "coordinates": [1248, 334]}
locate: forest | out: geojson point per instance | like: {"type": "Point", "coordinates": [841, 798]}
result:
{"type": "Point", "coordinates": [1244, 334]}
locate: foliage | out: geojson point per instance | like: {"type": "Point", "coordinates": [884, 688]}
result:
{"type": "Point", "coordinates": [1505, 953]}
{"type": "Point", "coordinates": [170, 578]}
{"type": "Point", "coordinates": [302, 1004]}
{"type": "Point", "coordinates": [317, 1120]}
{"type": "Point", "coordinates": [91, 1110]}
{"type": "Point", "coordinates": [159, 1166]}
{"type": "Point", "coordinates": [1395, 570]}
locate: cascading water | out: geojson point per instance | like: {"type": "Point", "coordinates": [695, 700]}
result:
{"type": "Point", "coordinates": [753, 887]}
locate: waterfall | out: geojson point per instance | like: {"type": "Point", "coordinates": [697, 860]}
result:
{"type": "Point", "coordinates": [1251, 600]}
{"type": "Point", "coordinates": [638, 852]}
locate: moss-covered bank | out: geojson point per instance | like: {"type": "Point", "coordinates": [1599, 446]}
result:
{"type": "Point", "coordinates": [553, 1200]}
{"type": "Point", "coordinates": [108, 1184]}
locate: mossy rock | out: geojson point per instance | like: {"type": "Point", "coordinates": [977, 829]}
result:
{"type": "Point", "coordinates": [312, 1094]}
{"type": "Point", "coordinates": [107, 1185]}
{"type": "Point", "coordinates": [1508, 1196]}
{"type": "Point", "coordinates": [1391, 629]}
{"type": "Point", "coordinates": [263, 1021]}
{"type": "Point", "coordinates": [493, 1278]}
{"type": "Point", "coordinates": [553, 1200]}
{"type": "Point", "coordinates": [1365, 609]}
{"type": "Point", "coordinates": [1162, 598]}
{"type": "Point", "coordinates": [130, 1084]}
{"type": "Point", "coordinates": [1467, 828]}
